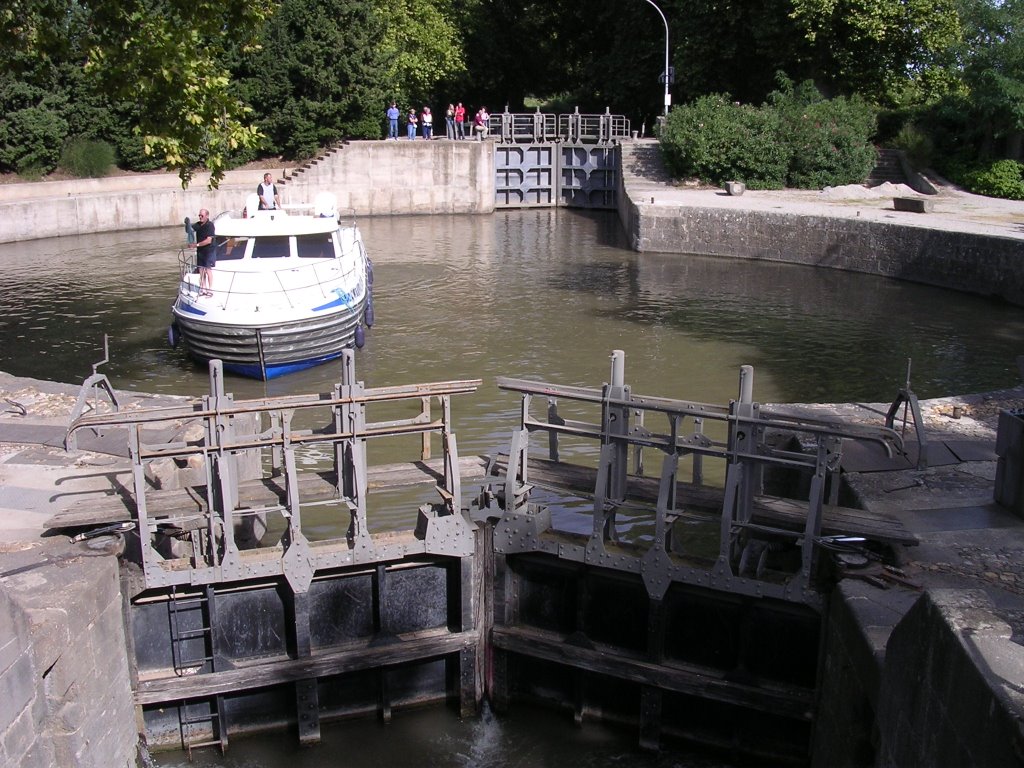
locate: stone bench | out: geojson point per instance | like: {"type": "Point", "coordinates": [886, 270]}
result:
{"type": "Point", "coordinates": [913, 204]}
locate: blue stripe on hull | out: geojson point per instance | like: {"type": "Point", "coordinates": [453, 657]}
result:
{"type": "Point", "coordinates": [274, 371]}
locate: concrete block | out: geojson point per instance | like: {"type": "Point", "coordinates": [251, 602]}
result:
{"type": "Point", "coordinates": [913, 204]}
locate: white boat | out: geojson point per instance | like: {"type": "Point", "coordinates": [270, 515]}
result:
{"type": "Point", "coordinates": [291, 289]}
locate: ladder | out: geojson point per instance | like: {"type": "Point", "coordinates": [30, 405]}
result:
{"type": "Point", "coordinates": [200, 720]}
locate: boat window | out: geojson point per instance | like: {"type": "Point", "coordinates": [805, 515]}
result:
{"type": "Point", "coordinates": [231, 248]}
{"type": "Point", "coordinates": [270, 248]}
{"type": "Point", "coordinates": [315, 246]}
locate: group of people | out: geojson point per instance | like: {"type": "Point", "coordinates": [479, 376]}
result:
{"type": "Point", "coordinates": [454, 123]}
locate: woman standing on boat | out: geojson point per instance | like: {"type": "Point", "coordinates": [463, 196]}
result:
{"type": "Point", "coordinates": [206, 254]}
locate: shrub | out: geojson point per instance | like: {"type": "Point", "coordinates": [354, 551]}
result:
{"type": "Point", "coordinates": [1003, 178]}
{"type": "Point", "coordinates": [798, 138]}
{"type": "Point", "coordinates": [87, 158]}
{"type": "Point", "coordinates": [916, 144]}
{"type": "Point", "coordinates": [33, 128]}
{"type": "Point", "coordinates": [828, 141]}
{"type": "Point", "coordinates": [718, 141]}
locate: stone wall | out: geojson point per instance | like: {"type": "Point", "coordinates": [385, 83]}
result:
{"type": "Point", "coordinates": [398, 177]}
{"type": "Point", "coordinates": [951, 686]}
{"type": "Point", "coordinates": [368, 177]}
{"type": "Point", "coordinates": [65, 688]}
{"type": "Point", "coordinates": [979, 264]}
{"type": "Point", "coordinates": [138, 201]}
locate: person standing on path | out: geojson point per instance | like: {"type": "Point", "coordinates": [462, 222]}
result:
{"type": "Point", "coordinates": [410, 124]}
{"type": "Point", "coordinates": [206, 254]}
{"type": "Point", "coordinates": [449, 122]}
{"type": "Point", "coordinates": [393, 115]}
{"type": "Point", "coordinates": [460, 121]}
{"type": "Point", "coordinates": [428, 123]}
{"type": "Point", "coordinates": [270, 200]}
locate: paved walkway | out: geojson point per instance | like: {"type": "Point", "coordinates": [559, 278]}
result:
{"type": "Point", "coordinates": [953, 210]}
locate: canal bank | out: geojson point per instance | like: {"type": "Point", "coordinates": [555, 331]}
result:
{"type": "Point", "coordinates": [869, 621]}
{"type": "Point", "coordinates": [920, 659]}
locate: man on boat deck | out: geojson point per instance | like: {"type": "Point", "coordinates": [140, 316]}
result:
{"type": "Point", "coordinates": [206, 253]}
{"type": "Point", "coordinates": [270, 200]}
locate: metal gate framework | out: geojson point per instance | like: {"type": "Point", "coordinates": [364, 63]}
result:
{"type": "Point", "coordinates": [557, 160]}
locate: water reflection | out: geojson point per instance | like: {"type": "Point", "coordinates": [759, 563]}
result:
{"type": "Point", "coordinates": [532, 294]}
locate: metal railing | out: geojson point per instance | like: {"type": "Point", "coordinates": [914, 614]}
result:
{"type": "Point", "coordinates": [574, 128]}
{"type": "Point", "coordinates": [208, 526]}
{"type": "Point", "coordinates": [623, 430]}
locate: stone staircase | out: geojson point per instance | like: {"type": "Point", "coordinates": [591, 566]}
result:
{"type": "Point", "coordinates": [889, 168]}
{"type": "Point", "coordinates": [642, 162]}
{"type": "Point", "coordinates": [310, 166]}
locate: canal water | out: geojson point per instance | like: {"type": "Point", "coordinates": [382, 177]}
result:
{"type": "Point", "coordinates": [537, 294]}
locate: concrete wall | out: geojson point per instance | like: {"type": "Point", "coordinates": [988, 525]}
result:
{"type": "Point", "coordinates": [979, 264]}
{"type": "Point", "coordinates": [142, 201]}
{"type": "Point", "coordinates": [951, 686]}
{"type": "Point", "coordinates": [65, 690]}
{"type": "Point", "coordinates": [923, 680]}
{"type": "Point", "coordinates": [397, 177]}
{"type": "Point", "coordinates": [369, 177]}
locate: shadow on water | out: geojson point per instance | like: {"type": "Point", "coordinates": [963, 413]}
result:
{"type": "Point", "coordinates": [433, 738]}
{"type": "Point", "coordinates": [540, 294]}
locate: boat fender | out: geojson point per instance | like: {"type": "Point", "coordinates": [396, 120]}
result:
{"type": "Point", "coordinates": [369, 272]}
{"type": "Point", "coordinates": [368, 311]}
{"type": "Point", "coordinates": [360, 337]}
{"type": "Point", "coordinates": [173, 336]}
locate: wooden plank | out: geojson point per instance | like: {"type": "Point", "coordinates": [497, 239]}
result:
{"type": "Point", "coordinates": [768, 510]}
{"type": "Point", "coordinates": [689, 679]}
{"type": "Point", "coordinates": [352, 658]}
{"type": "Point", "coordinates": [313, 486]}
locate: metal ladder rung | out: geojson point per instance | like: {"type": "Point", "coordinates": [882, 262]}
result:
{"type": "Point", "coordinates": [191, 634]}
{"type": "Point", "coordinates": [204, 719]}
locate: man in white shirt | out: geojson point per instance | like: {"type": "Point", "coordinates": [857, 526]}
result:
{"type": "Point", "coordinates": [270, 200]}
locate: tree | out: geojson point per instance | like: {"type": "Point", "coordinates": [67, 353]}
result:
{"type": "Point", "coordinates": [421, 45]}
{"type": "Point", "coordinates": [316, 76]}
{"type": "Point", "coordinates": [167, 55]}
{"type": "Point", "coordinates": [874, 47]}
{"type": "Point", "coordinates": [992, 61]}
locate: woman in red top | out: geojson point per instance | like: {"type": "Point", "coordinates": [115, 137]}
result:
{"type": "Point", "coordinates": [460, 121]}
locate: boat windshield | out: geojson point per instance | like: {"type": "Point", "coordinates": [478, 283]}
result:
{"type": "Point", "coordinates": [230, 248]}
{"type": "Point", "coordinates": [319, 246]}
{"type": "Point", "coordinates": [313, 246]}
{"type": "Point", "coordinates": [270, 248]}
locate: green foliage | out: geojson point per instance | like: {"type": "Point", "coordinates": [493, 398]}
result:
{"type": "Point", "coordinates": [797, 138]}
{"type": "Point", "coordinates": [32, 130]}
{"type": "Point", "coordinates": [167, 56]}
{"type": "Point", "coordinates": [875, 47]}
{"type": "Point", "coordinates": [828, 141]}
{"type": "Point", "coordinates": [420, 45]}
{"type": "Point", "coordinates": [316, 77]}
{"type": "Point", "coordinates": [1003, 178]}
{"type": "Point", "coordinates": [87, 158]}
{"type": "Point", "coordinates": [718, 141]}
{"type": "Point", "coordinates": [916, 144]}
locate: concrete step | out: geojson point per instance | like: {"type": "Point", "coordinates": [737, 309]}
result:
{"type": "Point", "coordinates": [644, 160]}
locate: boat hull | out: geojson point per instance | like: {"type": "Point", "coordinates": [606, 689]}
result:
{"type": "Point", "coordinates": [274, 349]}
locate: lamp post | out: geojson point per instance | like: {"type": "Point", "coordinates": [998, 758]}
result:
{"type": "Point", "coordinates": [668, 97]}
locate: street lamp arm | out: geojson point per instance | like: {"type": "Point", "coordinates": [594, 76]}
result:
{"type": "Point", "coordinates": [668, 98]}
